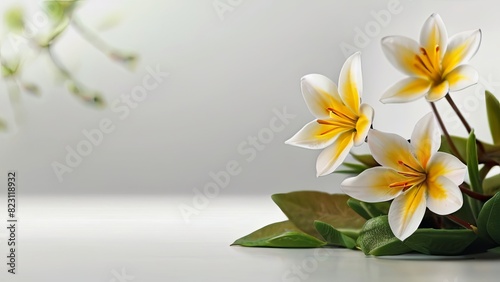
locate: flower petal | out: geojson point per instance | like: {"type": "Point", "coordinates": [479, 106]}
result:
{"type": "Point", "coordinates": [462, 77]}
{"type": "Point", "coordinates": [316, 136]}
{"type": "Point", "coordinates": [363, 124]}
{"type": "Point", "coordinates": [437, 92]}
{"type": "Point", "coordinates": [434, 34]}
{"type": "Point", "coordinates": [401, 52]}
{"type": "Point", "coordinates": [462, 47]}
{"type": "Point", "coordinates": [406, 90]}
{"type": "Point", "coordinates": [407, 211]}
{"type": "Point", "coordinates": [449, 166]}
{"type": "Point", "coordinates": [443, 196]}
{"type": "Point", "coordinates": [392, 150]}
{"type": "Point", "coordinates": [332, 156]}
{"type": "Point", "coordinates": [320, 93]}
{"type": "Point", "coordinates": [425, 139]}
{"type": "Point", "coordinates": [372, 185]}
{"type": "Point", "coordinates": [351, 83]}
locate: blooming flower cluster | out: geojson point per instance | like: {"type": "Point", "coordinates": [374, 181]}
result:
{"type": "Point", "coordinates": [413, 174]}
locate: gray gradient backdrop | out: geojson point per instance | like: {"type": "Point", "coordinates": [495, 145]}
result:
{"type": "Point", "coordinates": [228, 75]}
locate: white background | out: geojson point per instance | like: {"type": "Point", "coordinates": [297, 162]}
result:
{"type": "Point", "coordinates": [228, 72]}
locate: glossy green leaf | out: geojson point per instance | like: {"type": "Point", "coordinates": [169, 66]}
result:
{"type": "Point", "coordinates": [333, 236]}
{"type": "Point", "coordinates": [14, 19]}
{"type": "Point", "coordinates": [440, 241]}
{"type": "Point", "coordinates": [488, 222]}
{"type": "Point", "coordinates": [367, 160]}
{"type": "Point", "coordinates": [493, 111]}
{"type": "Point", "coordinates": [305, 207]}
{"type": "Point", "coordinates": [376, 238]}
{"type": "Point", "coordinates": [279, 235]}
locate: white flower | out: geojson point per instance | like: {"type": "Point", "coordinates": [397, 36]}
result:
{"type": "Point", "coordinates": [341, 120]}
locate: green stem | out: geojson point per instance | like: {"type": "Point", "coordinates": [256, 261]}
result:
{"type": "Point", "coordinates": [58, 64]}
{"type": "Point", "coordinates": [65, 72]}
{"type": "Point", "coordinates": [95, 40]}
{"type": "Point", "coordinates": [446, 134]}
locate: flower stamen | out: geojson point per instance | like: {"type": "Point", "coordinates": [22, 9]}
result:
{"type": "Point", "coordinates": [341, 114]}
{"type": "Point", "coordinates": [437, 57]}
{"type": "Point", "coordinates": [427, 65]}
{"type": "Point", "coordinates": [409, 167]}
{"type": "Point", "coordinates": [337, 123]}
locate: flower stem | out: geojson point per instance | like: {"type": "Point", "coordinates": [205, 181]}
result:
{"type": "Point", "coordinates": [459, 114]}
{"type": "Point", "coordinates": [466, 190]}
{"type": "Point", "coordinates": [463, 120]}
{"type": "Point", "coordinates": [460, 221]}
{"type": "Point", "coordinates": [96, 41]}
{"type": "Point", "coordinates": [67, 74]}
{"type": "Point", "coordinates": [445, 133]}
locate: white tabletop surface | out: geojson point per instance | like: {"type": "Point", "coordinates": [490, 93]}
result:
{"type": "Point", "coordinates": [133, 238]}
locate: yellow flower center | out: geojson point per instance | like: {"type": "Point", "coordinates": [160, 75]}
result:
{"type": "Point", "coordinates": [414, 177]}
{"type": "Point", "coordinates": [429, 64]}
{"type": "Point", "coordinates": [338, 120]}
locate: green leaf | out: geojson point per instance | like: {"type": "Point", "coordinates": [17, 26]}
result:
{"type": "Point", "coordinates": [279, 235]}
{"type": "Point", "coordinates": [376, 209]}
{"type": "Point", "coordinates": [369, 210]}
{"type": "Point", "coordinates": [440, 241]}
{"type": "Point", "coordinates": [367, 160]}
{"type": "Point", "coordinates": [472, 164]}
{"type": "Point", "coordinates": [358, 208]}
{"type": "Point", "coordinates": [333, 236]}
{"type": "Point", "coordinates": [305, 207]}
{"type": "Point", "coordinates": [493, 111]}
{"type": "Point", "coordinates": [491, 185]}
{"type": "Point", "coordinates": [356, 167]}
{"type": "Point", "coordinates": [460, 144]}
{"type": "Point", "coordinates": [14, 19]}
{"type": "Point", "coordinates": [488, 222]}
{"type": "Point", "coordinates": [495, 250]}
{"type": "Point", "coordinates": [376, 238]}
{"type": "Point", "coordinates": [493, 151]}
